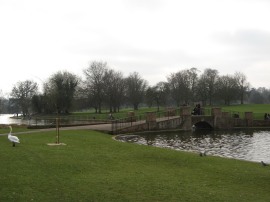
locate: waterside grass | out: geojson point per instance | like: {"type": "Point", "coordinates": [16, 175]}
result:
{"type": "Point", "coordinates": [258, 110]}
{"type": "Point", "coordinates": [94, 167]}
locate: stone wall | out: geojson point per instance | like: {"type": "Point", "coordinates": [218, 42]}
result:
{"type": "Point", "coordinates": [169, 124]}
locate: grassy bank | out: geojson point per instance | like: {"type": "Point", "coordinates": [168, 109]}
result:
{"type": "Point", "coordinates": [90, 114]}
{"type": "Point", "coordinates": [94, 167]}
{"type": "Point", "coordinates": [258, 109]}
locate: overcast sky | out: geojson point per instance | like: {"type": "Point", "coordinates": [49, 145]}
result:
{"type": "Point", "coordinates": [153, 37]}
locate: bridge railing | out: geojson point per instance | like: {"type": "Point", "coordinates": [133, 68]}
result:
{"type": "Point", "coordinates": [234, 114]}
{"type": "Point", "coordinates": [206, 111]}
{"type": "Point", "coordinates": [126, 122]}
{"type": "Point", "coordinates": [241, 115]}
{"type": "Point", "coordinates": [119, 124]}
{"type": "Point", "coordinates": [261, 116]}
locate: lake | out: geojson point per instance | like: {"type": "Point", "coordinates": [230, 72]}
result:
{"type": "Point", "coordinates": [6, 119]}
{"type": "Point", "coordinates": [250, 145]}
{"type": "Point", "coordinates": [12, 119]}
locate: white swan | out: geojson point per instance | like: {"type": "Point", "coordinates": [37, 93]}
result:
{"type": "Point", "coordinates": [12, 138]}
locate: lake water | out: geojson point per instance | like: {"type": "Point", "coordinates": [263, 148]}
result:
{"type": "Point", "coordinates": [251, 145]}
{"type": "Point", "coordinates": [12, 119]}
{"type": "Point", "coordinates": [6, 119]}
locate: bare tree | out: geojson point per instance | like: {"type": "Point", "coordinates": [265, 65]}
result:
{"type": "Point", "coordinates": [257, 96]}
{"type": "Point", "coordinates": [61, 89]}
{"type": "Point", "coordinates": [135, 89]}
{"type": "Point", "coordinates": [149, 96]}
{"type": "Point", "coordinates": [95, 84]}
{"type": "Point", "coordinates": [22, 94]}
{"type": "Point", "coordinates": [209, 78]}
{"type": "Point", "coordinates": [193, 78]}
{"type": "Point", "coordinates": [114, 87]}
{"type": "Point", "coordinates": [1, 101]}
{"type": "Point", "coordinates": [242, 84]}
{"type": "Point", "coordinates": [201, 90]}
{"type": "Point", "coordinates": [159, 93]}
{"type": "Point", "coordinates": [227, 88]}
{"type": "Point", "coordinates": [182, 85]}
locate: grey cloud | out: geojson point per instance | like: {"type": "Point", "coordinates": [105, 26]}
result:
{"type": "Point", "coordinates": [251, 42]}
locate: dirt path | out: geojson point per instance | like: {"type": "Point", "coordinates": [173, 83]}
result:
{"type": "Point", "coordinates": [100, 127]}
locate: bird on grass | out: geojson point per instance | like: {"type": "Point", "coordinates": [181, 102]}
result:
{"type": "Point", "coordinates": [12, 138]}
{"type": "Point", "coordinates": [203, 153]}
{"type": "Point", "coordinates": [264, 164]}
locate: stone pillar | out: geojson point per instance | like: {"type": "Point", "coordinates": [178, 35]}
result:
{"type": "Point", "coordinates": [151, 119]}
{"type": "Point", "coordinates": [131, 116]}
{"type": "Point", "coordinates": [217, 114]}
{"type": "Point", "coordinates": [249, 118]}
{"type": "Point", "coordinates": [225, 114]}
{"type": "Point", "coordinates": [225, 122]}
{"type": "Point", "coordinates": [185, 113]}
{"type": "Point", "coordinates": [170, 112]}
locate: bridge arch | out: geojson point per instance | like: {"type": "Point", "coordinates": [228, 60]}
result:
{"type": "Point", "coordinates": [203, 122]}
{"type": "Point", "coordinates": [202, 125]}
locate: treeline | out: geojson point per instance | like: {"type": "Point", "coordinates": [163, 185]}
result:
{"type": "Point", "coordinates": [106, 88]}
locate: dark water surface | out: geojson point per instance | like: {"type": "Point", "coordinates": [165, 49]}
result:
{"type": "Point", "coordinates": [251, 145]}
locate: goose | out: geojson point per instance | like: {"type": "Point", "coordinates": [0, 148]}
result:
{"type": "Point", "coordinates": [12, 138]}
{"type": "Point", "coordinates": [264, 164]}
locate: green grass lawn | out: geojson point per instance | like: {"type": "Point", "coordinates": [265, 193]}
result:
{"type": "Point", "coordinates": [122, 114]}
{"type": "Point", "coordinates": [258, 109]}
{"type": "Point", "coordinates": [94, 167]}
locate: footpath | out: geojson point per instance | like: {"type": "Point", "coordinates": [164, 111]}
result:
{"type": "Point", "coordinates": [100, 127]}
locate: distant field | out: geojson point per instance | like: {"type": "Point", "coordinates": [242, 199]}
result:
{"type": "Point", "coordinates": [123, 113]}
{"type": "Point", "coordinates": [258, 109]}
{"type": "Point", "coordinates": [94, 167]}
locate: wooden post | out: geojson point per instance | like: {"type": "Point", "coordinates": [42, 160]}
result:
{"type": "Point", "coordinates": [57, 127]}
{"type": "Point", "coordinates": [57, 130]}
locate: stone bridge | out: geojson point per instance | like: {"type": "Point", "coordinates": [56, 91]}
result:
{"type": "Point", "coordinates": [185, 121]}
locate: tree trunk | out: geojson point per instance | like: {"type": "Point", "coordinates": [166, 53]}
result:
{"type": "Point", "coordinates": [135, 106]}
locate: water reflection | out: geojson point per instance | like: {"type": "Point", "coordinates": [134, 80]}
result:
{"type": "Point", "coordinates": [13, 119]}
{"type": "Point", "coordinates": [247, 145]}
{"type": "Point", "coordinates": [10, 119]}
